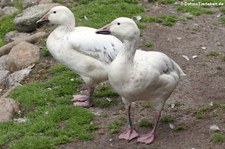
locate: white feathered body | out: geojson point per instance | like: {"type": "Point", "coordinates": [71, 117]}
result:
{"type": "Point", "coordinates": [150, 76]}
{"type": "Point", "coordinates": [84, 52]}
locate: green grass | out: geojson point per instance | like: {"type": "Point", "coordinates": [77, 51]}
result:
{"type": "Point", "coordinates": [194, 10]}
{"type": "Point", "coordinates": [167, 119]}
{"type": "Point", "coordinates": [116, 125]}
{"type": "Point", "coordinates": [101, 12]}
{"type": "Point", "coordinates": [6, 25]}
{"type": "Point", "coordinates": [201, 114]}
{"type": "Point", "coordinates": [166, 1]}
{"type": "Point", "coordinates": [213, 53]}
{"type": "Point", "coordinates": [51, 119]}
{"type": "Point", "coordinates": [45, 52]}
{"type": "Point", "coordinates": [148, 44]}
{"type": "Point", "coordinates": [217, 137]}
{"type": "Point", "coordinates": [179, 128]}
{"type": "Point", "coordinates": [104, 103]}
{"type": "Point", "coordinates": [222, 10]}
{"type": "Point", "coordinates": [222, 19]}
{"type": "Point", "coordinates": [145, 123]}
{"type": "Point", "coordinates": [167, 20]}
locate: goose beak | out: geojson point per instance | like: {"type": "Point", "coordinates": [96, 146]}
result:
{"type": "Point", "coordinates": [104, 30]}
{"type": "Point", "coordinates": [43, 20]}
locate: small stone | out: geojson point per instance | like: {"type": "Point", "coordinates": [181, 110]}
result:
{"type": "Point", "coordinates": [7, 108]}
{"type": "Point", "coordinates": [179, 38]}
{"type": "Point", "coordinates": [186, 57]}
{"type": "Point", "coordinates": [138, 18]}
{"type": "Point", "coordinates": [3, 62]}
{"type": "Point", "coordinates": [1, 12]}
{"type": "Point", "coordinates": [194, 56]}
{"type": "Point", "coordinates": [3, 78]}
{"type": "Point", "coordinates": [214, 128]}
{"type": "Point", "coordinates": [203, 48]}
{"type": "Point", "coordinates": [15, 35]}
{"type": "Point", "coordinates": [171, 126]}
{"type": "Point", "coordinates": [10, 10]}
{"type": "Point", "coordinates": [22, 55]}
{"type": "Point", "coordinates": [20, 120]}
{"type": "Point", "coordinates": [110, 140]}
{"type": "Point", "coordinates": [173, 105]}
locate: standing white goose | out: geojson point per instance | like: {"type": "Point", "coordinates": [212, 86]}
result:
{"type": "Point", "coordinates": [81, 49]}
{"type": "Point", "coordinates": [140, 75]}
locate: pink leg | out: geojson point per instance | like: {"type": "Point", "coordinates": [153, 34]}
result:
{"type": "Point", "coordinates": [83, 100]}
{"type": "Point", "coordinates": [130, 133]}
{"type": "Point", "coordinates": [149, 138]}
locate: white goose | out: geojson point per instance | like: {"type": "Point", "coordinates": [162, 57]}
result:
{"type": "Point", "coordinates": [81, 49]}
{"type": "Point", "coordinates": [140, 75]}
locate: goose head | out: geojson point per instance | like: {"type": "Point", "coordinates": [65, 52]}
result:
{"type": "Point", "coordinates": [59, 15]}
{"type": "Point", "coordinates": [122, 28]}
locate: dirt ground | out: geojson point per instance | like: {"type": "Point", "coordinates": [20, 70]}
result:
{"type": "Point", "coordinates": [204, 83]}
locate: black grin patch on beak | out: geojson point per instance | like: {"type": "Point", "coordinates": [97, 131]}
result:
{"type": "Point", "coordinates": [104, 32]}
{"type": "Point", "coordinates": [41, 23]}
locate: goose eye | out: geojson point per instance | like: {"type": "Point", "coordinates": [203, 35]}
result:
{"type": "Point", "coordinates": [118, 23]}
{"type": "Point", "coordinates": [54, 11]}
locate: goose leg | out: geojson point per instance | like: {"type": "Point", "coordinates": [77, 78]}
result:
{"type": "Point", "coordinates": [84, 100]}
{"type": "Point", "coordinates": [130, 133]}
{"type": "Point", "coordinates": [149, 138]}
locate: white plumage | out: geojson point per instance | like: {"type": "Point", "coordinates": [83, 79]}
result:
{"type": "Point", "coordinates": [81, 49]}
{"type": "Point", "coordinates": [140, 75]}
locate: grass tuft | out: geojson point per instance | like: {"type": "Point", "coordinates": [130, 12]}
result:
{"type": "Point", "coordinates": [116, 125]}
{"type": "Point", "coordinates": [145, 123]}
{"type": "Point", "coordinates": [167, 119]}
{"type": "Point", "coordinates": [148, 44]}
{"type": "Point", "coordinates": [213, 54]}
{"type": "Point", "coordinates": [195, 10]}
{"type": "Point", "coordinates": [167, 20]}
{"type": "Point", "coordinates": [217, 137]}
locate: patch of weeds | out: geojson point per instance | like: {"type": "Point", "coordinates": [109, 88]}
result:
{"type": "Point", "coordinates": [218, 105]}
{"type": "Point", "coordinates": [48, 127]}
{"type": "Point", "coordinates": [6, 25]}
{"type": "Point", "coordinates": [223, 58]}
{"type": "Point", "coordinates": [166, 1]}
{"type": "Point", "coordinates": [148, 44]}
{"type": "Point", "coordinates": [213, 54]}
{"type": "Point", "coordinates": [178, 104]}
{"type": "Point", "coordinates": [222, 10]}
{"type": "Point", "coordinates": [201, 113]}
{"type": "Point", "coordinates": [141, 25]}
{"type": "Point", "coordinates": [45, 52]}
{"type": "Point", "coordinates": [217, 137]}
{"type": "Point", "coordinates": [147, 105]}
{"type": "Point", "coordinates": [195, 10]}
{"type": "Point", "coordinates": [145, 123]}
{"type": "Point", "coordinates": [219, 68]}
{"type": "Point", "coordinates": [179, 127]}
{"type": "Point", "coordinates": [57, 90]}
{"type": "Point", "coordinates": [105, 91]}
{"type": "Point", "coordinates": [101, 12]}
{"type": "Point", "coordinates": [104, 103]}
{"type": "Point", "coordinates": [167, 20]}
{"type": "Point", "coordinates": [222, 19]}
{"type": "Point", "coordinates": [167, 119]}
{"type": "Point", "coordinates": [116, 125]}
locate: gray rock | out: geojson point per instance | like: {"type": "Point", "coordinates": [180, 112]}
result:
{"type": "Point", "coordinates": [9, 10]}
{"type": "Point", "coordinates": [1, 12]}
{"type": "Point", "coordinates": [29, 3]}
{"type": "Point", "coordinates": [22, 55]}
{"type": "Point", "coordinates": [26, 22]}
{"type": "Point", "coordinates": [15, 35]}
{"type": "Point", "coordinates": [4, 3]}
{"type": "Point", "coordinates": [18, 76]}
{"type": "Point", "coordinates": [3, 78]}
{"type": "Point", "coordinates": [7, 108]}
{"type": "Point", "coordinates": [45, 1]}
{"type": "Point", "coordinates": [3, 62]}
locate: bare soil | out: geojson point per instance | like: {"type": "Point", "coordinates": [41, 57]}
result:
{"type": "Point", "coordinates": [204, 83]}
